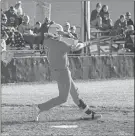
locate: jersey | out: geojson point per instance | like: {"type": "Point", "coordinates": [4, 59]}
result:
{"type": "Point", "coordinates": [57, 53]}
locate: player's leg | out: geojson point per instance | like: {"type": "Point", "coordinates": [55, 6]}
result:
{"type": "Point", "coordinates": [76, 98]}
{"type": "Point", "coordinates": [64, 84]}
{"type": "Point", "coordinates": [81, 104]}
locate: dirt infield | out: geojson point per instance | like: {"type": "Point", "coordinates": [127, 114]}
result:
{"type": "Point", "coordinates": [114, 99]}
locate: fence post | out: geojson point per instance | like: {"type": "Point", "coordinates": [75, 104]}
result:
{"type": "Point", "coordinates": [110, 47]}
{"type": "Point", "coordinates": [98, 44]}
{"type": "Point", "coordinates": [85, 23]}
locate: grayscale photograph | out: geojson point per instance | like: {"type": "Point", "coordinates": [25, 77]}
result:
{"type": "Point", "coordinates": [67, 67]}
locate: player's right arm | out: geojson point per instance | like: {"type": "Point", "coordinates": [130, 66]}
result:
{"type": "Point", "coordinates": [65, 45]}
{"type": "Point", "coordinates": [71, 47]}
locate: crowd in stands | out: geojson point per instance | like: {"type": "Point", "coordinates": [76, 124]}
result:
{"type": "Point", "coordinates": [16, 25]}
{"type": "Point", "coordinates": [101, 20]}
{"type": "Point", "coordinates": [17, 31]}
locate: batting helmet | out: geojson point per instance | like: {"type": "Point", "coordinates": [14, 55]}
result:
{"type": "Point", "coordinates": [54, 28]}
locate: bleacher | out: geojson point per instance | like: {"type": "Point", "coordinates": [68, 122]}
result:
{"type": "Point", "coordinates": [105, 46]}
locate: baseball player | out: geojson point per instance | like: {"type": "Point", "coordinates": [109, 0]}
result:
{"type": "Point", "coordinates": [58, 47]}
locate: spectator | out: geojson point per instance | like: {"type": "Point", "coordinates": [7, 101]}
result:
{"type": "Point", "coordinates": [19, 11]}
{"type": "Point", "coordinates": [36, 32]}
{"type": "Point", "coordinates": [4, 29]}
{"type": "Point", "coordinates": [3, 19]}
{"type": "Point", "coordinates": [77, 53]}
{"type": "Point", "coordinates": [37, 28]}
{"type": "Point", "coordinates": [96, 20]}
{"type": "Point", "coordinates": [25, 27]}
{"type": "Point", "coordinates": [26, 31]}
{"type": "Point", "coordinates": [15, 39]}
{"type": "Point", "coordinates": [128, 19]}
{"type": "Point", "coordinates": [12, 19]}
{"type": "Point", "coordinates": [129, 42]}
{"type": "Point", "coordinates": [73, 32]}
{"type": "Point", "coordinates": [120, 25]}
{"type": "Point", "coordinates": [67, 30]}
{"type": "Point", "coordinates": [18, 8]}
{"type": "Point", "coordinates": [104, 11]}
{"type": "Point", "coordinates": [66, 27]}
{"type": "Point", "coordinates": [4, 37]}
{"type": "Point", "coordinates": [106, 21]}
{"type": "Point", "coordinates": [44, 29]}
{"type": "Point", "coordinates": [45, 26]}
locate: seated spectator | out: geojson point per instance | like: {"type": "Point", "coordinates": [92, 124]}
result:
{"type": "Point", "coordinates": [45, 26]}
{"type": "Point", "coordinates": [66, 27]}
{"type": "Point", "coordinates": [4, 20]}
{"type": "Point", "coordinates": [4, 37]}
{"type": "Point", "coordinates": [19, 11]}
{"type": "Point", "coordinates": [43, 29]}
{"type": "Point", "coordinates": [26, 31]}
{"type": "Point", "coordinates": [18, 8]}
{"type": "Point", "coordinates": [129, 42]}
{"type": "Point", "coordinates": [128, 19]}
{"type": "Point", "coordinates": [12, 18]}
{"type": "Point", "coordinates": [37, 34]}
{"type": "Point", "coordinates": [96, 20]}
{"type": "Point", "coordinates": [25, 27]}
{"type": "Point", "coordinates": [120, 25]}
{"type": "Point", "coordinates": [106, 21]}
{"type": "Point", "coordinates": [67, 30]}
{"type": "Point", "coordinates": [37, 28]}
{"type": "Point", "coordinates": [40, 37]}
{"type": "Point", "coordinates": [4, 29]}
{"type": "Point", "coordinates": [104, 11]}
{"type": "Point", "coordinates": [73, 32]}
{"type": "Point", "coordinates": [15, 39]}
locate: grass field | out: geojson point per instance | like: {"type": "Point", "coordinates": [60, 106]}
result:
{"type": "Point", "coordinates": [114, 99]}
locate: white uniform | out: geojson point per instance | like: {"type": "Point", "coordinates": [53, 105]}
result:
{"type": "Point", "coordinates": [58, 59]}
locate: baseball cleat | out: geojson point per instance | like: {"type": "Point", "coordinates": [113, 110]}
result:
{"type": "Point", "coordinates": [92, 116]}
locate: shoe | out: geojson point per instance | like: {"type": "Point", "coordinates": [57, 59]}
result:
{"type": "Point", "coordinates": [92, 116]}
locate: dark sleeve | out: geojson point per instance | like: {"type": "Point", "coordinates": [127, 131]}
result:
{"type": "Point", "coordinates": [116, 24]}
{"type": "Point", "coordinates": [19, 20]}
{"type": "Point", "coordinates": [125, 24]}
{"type": "Point", "coordinates": [16, 21]}
{"type": "Point", "coordinates": [41, 29]}
{"type": "Point", "coordinates": [101, 14]}
{"type": "Point", "coordinates": [93, 15]}
{"type": "Point", "coordinates": [132, 23]}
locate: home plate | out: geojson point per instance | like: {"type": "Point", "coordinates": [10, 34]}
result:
{"type": "Point", "coordinates": [65, 126]}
